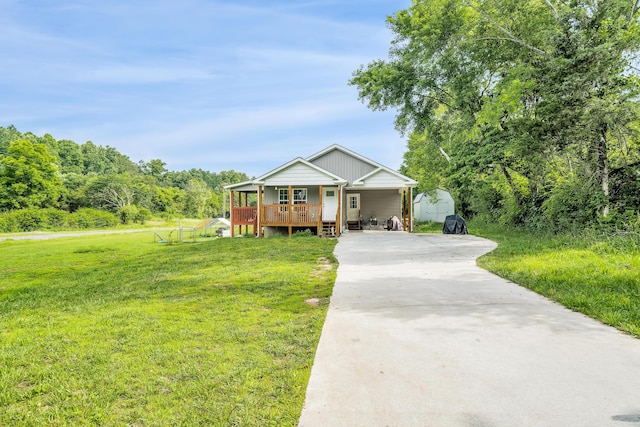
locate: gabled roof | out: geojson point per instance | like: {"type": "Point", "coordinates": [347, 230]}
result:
{"type": "Point", "coordinates": [344, 150]}
{"type": "Point", "coordinates": [377, 167]}
{"type": "Point", "coordinates": [384, 177]}
{"type": "Point", "coordinates": [439, 192]}
{"type": "Point", "coordinates": [242, 186]}
{"type": "Point", "coordinates": [301, 171]}
{"type": "Point", "coordinates": [300, 164]}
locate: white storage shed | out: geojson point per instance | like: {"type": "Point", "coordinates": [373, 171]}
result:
{"type": "Point", "coordinates": [435, 208]}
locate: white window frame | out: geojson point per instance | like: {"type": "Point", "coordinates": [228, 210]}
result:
{"type": "Point", "coordinates": [300, 196]}
{"type": "Point", "coordinates": [283, 196]}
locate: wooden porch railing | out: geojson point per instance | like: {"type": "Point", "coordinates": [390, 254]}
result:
{"type": "Point", "coordinates": [245, 215]}
{"type": "Point", "coordinates": [294, 215]}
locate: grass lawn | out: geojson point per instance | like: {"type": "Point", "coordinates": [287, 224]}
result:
{"type": "Point", "coordinates": [428, 227]}
{"type": "Point", "coordinates": [596, 275]}
{"type": "Point", "coordinates": [117, 330]}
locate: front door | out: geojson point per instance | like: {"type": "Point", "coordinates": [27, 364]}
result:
{"type": "Point", "coordinates": [329, 203]}
{"type": "Point", "coordinates": [353, 207]}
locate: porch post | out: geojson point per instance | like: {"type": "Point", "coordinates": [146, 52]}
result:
{"type": "Point", "coordinates": [231, 205]}
{"type": "Point", "coordinates": [404, 209]}
{"type": "Point", "coordinates": [411, 209]}
{"type": "Point", "coordinates": [246, 204]}
{"type": "Point", "coordinates": [402, 214]}
{"type": "Point", "coordinates": [339, 212]}
{"type": "Point", "coordinates": [259, 212]}
{"type": "Point", "coordinates": [320, 214]}
{"type": "Point", "coordinates": [290, 210]}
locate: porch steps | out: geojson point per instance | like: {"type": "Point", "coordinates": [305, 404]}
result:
{"type": "Point", "coordinates": [353, 225]}
{"type": "Point", "coordinates": [328, 229]}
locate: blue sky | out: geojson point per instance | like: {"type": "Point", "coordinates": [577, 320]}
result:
{"type": "Point", "coordinates": [244, 85]}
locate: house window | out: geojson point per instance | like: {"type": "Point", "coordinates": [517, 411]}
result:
{"type": "Point", "coordinates": [299, 196]}
{"type": "Point", "coordinates": [283, 196]}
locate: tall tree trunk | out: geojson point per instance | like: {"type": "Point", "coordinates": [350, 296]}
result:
{"type": "Point", "coordinates": [602, 164]}
{"type": "Point", "coordinates": [516, 194]}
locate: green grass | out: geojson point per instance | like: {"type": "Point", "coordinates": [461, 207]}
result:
{"type": "Point", "coordinates": [594, 274]}
{"type": "Point", "coordinates": [428, 227]}
{"type": "Point", "coordinates": [116, 330]}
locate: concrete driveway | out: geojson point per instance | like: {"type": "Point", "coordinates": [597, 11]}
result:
{"type": "Point", "coordinates": [417, 335]}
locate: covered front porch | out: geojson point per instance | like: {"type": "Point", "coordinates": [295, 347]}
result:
{"type": "Point", "coordinates": [263, 210]}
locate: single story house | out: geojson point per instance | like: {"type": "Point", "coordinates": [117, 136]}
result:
{"type": "Point", "coordinates": [331, 191]}
{"type": "Point", "coordinates": [433, 206]}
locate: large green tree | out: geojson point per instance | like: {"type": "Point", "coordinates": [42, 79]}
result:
{"type": "Point", "coordinates": [28, 177]}
{"type": "Point", "coordinates": [100, 177]}
{"type": "Point", "coordinates": [169, 200]}
{"type": "Point", "coordinates": [198, 197]}
{"type": "Point", "coordinates": [70, 157]}
{"type": "Point", "coordinates": [105, 160]}
{"type": "Point", "coordinates": [155, 168]}
{"type": "Point", "coordinates": [110, 192]}
{"type": "Point", "coordinates": [8, 135]}
{"type": "Point", "coordinates": [503, 98]}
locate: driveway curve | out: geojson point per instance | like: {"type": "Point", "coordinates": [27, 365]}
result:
{"type": "Point", "coordinates": [417, 335]}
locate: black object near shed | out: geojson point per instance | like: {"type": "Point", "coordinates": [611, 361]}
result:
{"type": "Point", "coordinates": [454, 224]}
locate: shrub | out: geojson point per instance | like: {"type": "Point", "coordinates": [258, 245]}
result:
{"type": "Point", "coordinates": [92, 218]}
{"type": "Point", "coordinates": [574, 203]}
{"type": "Point", "coordinates": [303, 233]}
{"type": "Point", "coordinates": [143, 215]}
{"type": "Point", "coordinates": [128, 214]}
{"type": "Point", "coordinates": [28, 219]}
{"type": "Point", "coordinates": [628, 221]}
{"type": "Point", "coordinates": [6, 224]}
{"type": "Point", "coordinates": [51, 219]}
{"type": "Point", "coordinates": [55, 218]}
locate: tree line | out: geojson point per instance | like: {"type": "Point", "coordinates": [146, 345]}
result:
{"type": "Point", "coordinates": [40, 172]}
{"type": "Point", "coordinates": [526, 110]}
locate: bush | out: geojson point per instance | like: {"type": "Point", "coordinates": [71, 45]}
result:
{"type": "Point", "coordinates": [128, 214]}
{"type": "Point", "coordinates": [628, 221]}
{"type": "Point", "coordinates": [303, 233]}
{"type": "Point", "coordinates": [574, 204]}
{"type": "Point", "coordinates": [6, 225]}
{"type": "Point", "coordinates": [28, 219]}
{"type": "Point", "coordinates": [55, 218]}
{"type": "Point", "coordinates": [92, 218]}
{"type": "Point", "coordinates": [143, 215]}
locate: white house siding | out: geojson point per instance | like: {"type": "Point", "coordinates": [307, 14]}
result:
{"type": "Point", "coordinates": [384, 179]}
{"type": "Point", "coordinates": [344, 165]}
{"type": "Point", "coordinates": [298, 175]}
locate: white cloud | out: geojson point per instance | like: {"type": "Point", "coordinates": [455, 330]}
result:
{"type": "Point", "coordinates": [139, 74]}
{"type": "Point", "coordinates": [231, 126]}
{"type": "Point", "coordinates": [196, 80]}
{"type": "Point", "coordinates": [283, 57]}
